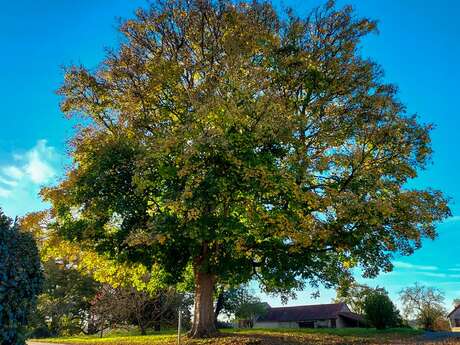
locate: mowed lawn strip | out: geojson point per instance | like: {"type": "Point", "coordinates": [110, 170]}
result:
{"type": "Point", "coordinates": [344, 332]}
{"type": "Point", "coordinates": [258, 336]}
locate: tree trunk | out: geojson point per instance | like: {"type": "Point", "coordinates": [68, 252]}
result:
{"type": "Point", "coordinates": [203, 315]}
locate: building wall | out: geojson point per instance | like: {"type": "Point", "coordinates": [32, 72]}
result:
{"type": "Point", "coordinates": [340, 322]}
{"type": "Point", "coordinates": [318, 324]}
{"type": "Point", "coordinates": [453, 324]}
{"type": "Point", "coordinates": [322, 323]}
{"type": "Point", "coordinates": [265, 324]}
{"type": "Point", "coordinates": [347, 323]}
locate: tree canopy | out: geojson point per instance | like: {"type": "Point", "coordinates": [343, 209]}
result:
{"type": "Point", "coordinates": [236, 142]}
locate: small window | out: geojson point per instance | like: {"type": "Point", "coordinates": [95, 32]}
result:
{"type": "Point", "coordinates": [457, 322]}
{"type": "Point", "coordinates": [306, 324]}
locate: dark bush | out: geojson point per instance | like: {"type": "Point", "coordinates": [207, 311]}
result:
{"type": "Point", "coordinates": [380, 311]}
{"type": "Point", "coordinates": [21, 280]}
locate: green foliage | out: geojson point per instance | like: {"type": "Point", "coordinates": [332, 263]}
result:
{"type": "Point", "coordinates": [251, 310]}
{"type": "Point", "coordinates": [240, 303]}
{"type": "Point", "coordinates": [354, 295]}
{"type": "Point", "coordinates": [63, 307]}
{"type": "Point", "coordinates": [245, 144]}
{"type": "Point", "coordinates": [229, 300]}
{"type": "Point", "coordinates": [20, 280]}
{"type": "Point", "coordinates": [380, 310]}
{"type": "Point", "coordinates": [425, 304]}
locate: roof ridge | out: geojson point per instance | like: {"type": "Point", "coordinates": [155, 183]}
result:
{"type": "Point", "coordinates": [307, 305]}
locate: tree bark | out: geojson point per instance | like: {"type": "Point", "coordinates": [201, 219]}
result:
{"type": "Point", "coordinates": [203, 315]}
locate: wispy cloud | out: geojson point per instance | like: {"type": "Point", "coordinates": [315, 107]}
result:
{"type": "Point", "coordinates": [7, 182]}
{"type": "Point", "coordinates": [24, 174]}
{"type": "Point", "coordinates": [434, 275]}
{"type": "Point", "coordinates": [407, 265]}
{"type": "Point", "coordinates": [12, 172]}
{"type": "Point", "coordinates": [453, 219]}
{"type": "Point", "coordinates": [4, 192]}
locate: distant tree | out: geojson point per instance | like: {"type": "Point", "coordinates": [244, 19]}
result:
{"type": "Point", "coordinates": [64, 305]}
{"type": "Point", "coordinates": [228, 139]}
{"type": "Point", "coordinates": [251, 310]}
{"type": "Point", "coordinates": [424, 304]}
{"type": "Point", "coordinates": [239, 302]}
{"type": "Point", "coordinates": [380, 311]}
{"type": "Point", "coordinates": [229, 299]}
{"type": "Point", "coordinates": [355, 295]}
{"type": "Point", "coordinates": [122, 306]}
{"type": "Point", "coordinates": [21, 280]}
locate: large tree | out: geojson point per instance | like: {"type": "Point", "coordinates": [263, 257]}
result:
{"type": "Point", "coordinates": [232, 141]}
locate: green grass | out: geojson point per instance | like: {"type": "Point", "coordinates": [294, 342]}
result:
{"type": "Point", "coordinates": [111, 339]}
{"type": "Point", "coordinates": [244, 336]}
{"type": "Point", "coordinates": [342, 332]}
{"type": "Point", "coordinates": [120, 336]}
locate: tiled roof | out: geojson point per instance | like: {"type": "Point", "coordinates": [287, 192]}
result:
{"type": "Point", "coordinates": [304, 313]}
{"type": "Point", "coordinates": [453, 311]}
{"type": "Point", "coordinates": [352, 316]}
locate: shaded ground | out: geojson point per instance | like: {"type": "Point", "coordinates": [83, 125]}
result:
{"type": "Point", "coordinates": [433, 336]}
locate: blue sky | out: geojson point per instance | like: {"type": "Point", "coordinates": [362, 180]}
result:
{"type": "Point", "coordinates": [418, 47]}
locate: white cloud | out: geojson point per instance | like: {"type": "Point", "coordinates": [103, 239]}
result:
{"type": "Point", "coordinates": [13, 172]}
{"type": "Point", "coordinates": [406, 265]}
{"type": "Point", "coordinates": [8, 182]}
{"type": "Point", "coordinates": [4, 192]}
{"type": "Point", "coordinates": [22, 177]}
{"type": "Point", "coordinates": [38, 168]}
{"type": "Point", "coordinates": [433, 274]}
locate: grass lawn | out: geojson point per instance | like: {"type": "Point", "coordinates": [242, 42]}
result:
{"type": "Point", "coordinates": [351, 336]}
